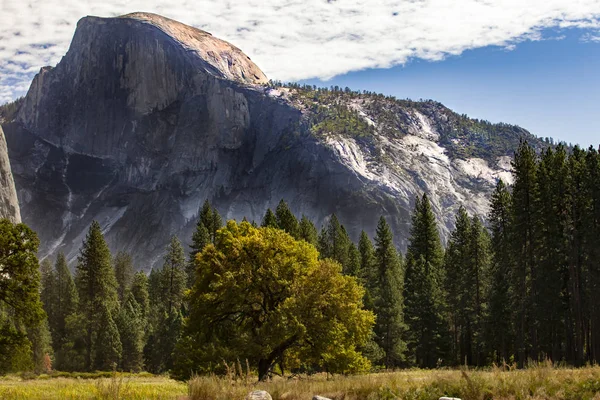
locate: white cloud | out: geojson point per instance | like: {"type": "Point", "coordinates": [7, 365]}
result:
{"type": "Point", "coordinates": [297, 39]}
{"type": "Point", "coordinates": [590, 37]}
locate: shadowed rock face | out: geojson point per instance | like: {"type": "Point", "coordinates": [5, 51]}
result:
{"type": "Point", "coordinates": [145, 118]}
{"type": "Point", "coordinates": [9, 206]}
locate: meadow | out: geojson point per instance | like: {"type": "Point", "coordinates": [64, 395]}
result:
{"type": "Point", "coordinates": [540, 382]}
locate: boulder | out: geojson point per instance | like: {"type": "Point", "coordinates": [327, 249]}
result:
{"type": "Point", "coordinates": [259, 395]}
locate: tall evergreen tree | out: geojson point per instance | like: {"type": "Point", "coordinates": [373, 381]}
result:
{"type": "Point", "coordinates": [97, 291]}
{"type": "Point", "coordinates": [500, 330]}
{"type": "Point", "coordinates": [478, 274]}
{"type": "Point", "coordinates": [334, 242]}
{"type": "Point", "coordinates": [551, 253]}
{"type": "Point", "coordinates": [206, 217]}
{"type": "Point", "coordinates": [47, 295]}
{"type": "Point", "coordinates": [323, 244]}
{"type": "Point", "coordinates": [427, 332]}
{"type": "Point", "coordinates": [458, 290]}
{"type": "Point", "coordinates": [592, 245]}
{"type": "Point", "coordinates": [131, 324]}
{"type": "Point", "coordinates": [217, 223]}
{"type": "Point", "coordinates": [307, 231]}
{"type": "Point", "coordinates": [200, 239]}
{"type": "Point", "coordinates": [123, 273]}
{"type": "Point", "coordinates": [353, 267]}
{"type": "Point", "coordinates": [286, 220]}
{"type": "Point", "coordinates": [270, 220]}
{"type": "Point", "coordinates": [139, 291]}
{"type": "Point", "coordinates": [368, 268]}
{"type": "Point", "coordinates": [166, 289]}
{"type": "Point", "coordinates": [388, 304]}
{"type": "Point", "coordinates": [576, 288]}
{"type": "Point", "coordinates": [339, 241]}
{"type": "Point", "coordinates": [525, 294]}
{"type": "Point", "coordinates": [173, 279]}
{"type": "Point", "coordinates": [65, 305]}
{"type": "Point", "coordinates": [108, 347]}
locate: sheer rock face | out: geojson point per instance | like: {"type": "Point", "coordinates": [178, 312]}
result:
{"type": "Point", "coordinates": [9, 206]}
{"type": "Point", "coordinates": [144, 118]}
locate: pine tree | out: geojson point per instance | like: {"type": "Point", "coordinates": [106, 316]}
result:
{"type": "Point", "coordinates": [47, 291]}
{"type": "Point", "coordinates": [427, 331]}
{"type": "Point", "coordinates": [156, 297]}
{"type": "Point", "coordinates": [200, 239]}
{"type": "Point", "coordinates": [576, 287]}
{"type": "Point", "coordinates": [456, 264]}
{"type": "Point", "coordinates": [41, 346]}
{"type": "Point", "coordinates": [206, 217]}
{"type": "Point", "coordinates": [592, 245]}
{"type": "Point", "coordinates": [523, 215]}
{"type": "Point", "coordinates": [323, 245]}
{"type": "Point", "coordinates": [339, 242]}
{"type": "Point", "coordinates": [108, 345]}
{"type": "Point", "coordinates": [269, 220]}
{"type": "Point", "coordinates": [499, 321]}
{"type": "Point", "coordinates": [478, 271]}
{"type": "Point", "coordinates": [65, 305]}
{"type": "Point", "coordinates": [123, 273]}
{"type": "Point", "coordinates": [131, 326]}
{"type": "Point", "coordinates": [353, 267]}
{"type": "Point", "coordinates": [551, 252]}
{"type": "Point", "coordinates": [97, 291]}
{"type": "Point", "coordinates": [39, 334]}
{"type": "Point", "coordinates": [286, 220]}
{"type": "Point", "coordinates": [333, 242]}
{"type": "Point", "coordinates": [139, 290]}
{"type": "Point", "coordinates": [168, 335]}
{"type": "Point", "coordinates": [217, 223]}
{"type": "Point", "coordinates": [166, 290]}
{"type": "Point", "coordinates": [307, 231]}
{"type": "Point", "coordinates": [173, 279]}
{"type": "Point", "coordinates": [368, 269]}
{"type": "Point", "coordinates": [388, 305]}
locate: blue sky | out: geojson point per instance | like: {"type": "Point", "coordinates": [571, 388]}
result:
{"type": "Point", "coordinates": [550, 87]}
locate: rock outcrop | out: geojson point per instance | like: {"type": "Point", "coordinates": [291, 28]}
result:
{"type": "Point", "coordinates": [9, 206]}
{"type": "Point", "coordinates": [144, 118]}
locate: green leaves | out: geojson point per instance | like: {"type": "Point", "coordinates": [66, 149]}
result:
{"type": "Point", "coordinates": [21, 310]}
{"type": "Point", "coordinates": [263, 296]}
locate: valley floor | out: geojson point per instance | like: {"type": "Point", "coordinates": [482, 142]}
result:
{"type": "Point", "coordinates": [535, 383]}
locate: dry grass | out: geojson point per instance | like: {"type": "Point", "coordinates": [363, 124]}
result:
{"type": "Point", "coordinates": [541, 382]}
{"type": "Point", "coordinates": [115, 388]}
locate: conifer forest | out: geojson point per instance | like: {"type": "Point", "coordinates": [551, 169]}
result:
{"type": "Point", "coordinates": [516, 286]}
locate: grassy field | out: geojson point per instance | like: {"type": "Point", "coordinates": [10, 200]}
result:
{"type": "Point", "coordinates": [535, 383]}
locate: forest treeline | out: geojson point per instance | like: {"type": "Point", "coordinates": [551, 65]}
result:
{"type": "Point", "coordinates": [514, 286]}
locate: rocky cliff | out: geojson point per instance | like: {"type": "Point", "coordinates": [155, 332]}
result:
{"type": "Point", "coordinates": [144, 118]}
{"type": "Point", "coordinates": [9, 206]}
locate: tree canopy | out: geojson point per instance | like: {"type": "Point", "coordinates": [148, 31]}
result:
{"type": "Point", "coordinates": [263, 296]}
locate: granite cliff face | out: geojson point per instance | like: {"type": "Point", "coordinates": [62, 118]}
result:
{"type": "Point", "coordinates": [9, 206]}
{"type": "Point", "coordinates": [145, 118]}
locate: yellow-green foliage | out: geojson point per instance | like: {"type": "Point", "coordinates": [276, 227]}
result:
{"type": "Point", "coordinates": [263, 296]}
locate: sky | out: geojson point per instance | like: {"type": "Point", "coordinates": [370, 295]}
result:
{"type": "Point", "coordinates": [534, 63]}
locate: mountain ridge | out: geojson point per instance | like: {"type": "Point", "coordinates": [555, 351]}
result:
{"type": "Point", "coordinates": [134, 133]}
